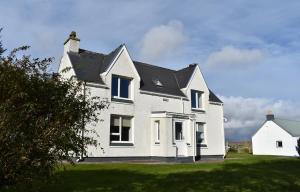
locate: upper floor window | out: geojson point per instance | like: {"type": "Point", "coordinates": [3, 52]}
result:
{"type": "Point", "coordinates": [120, 87]}
{"type": "Point", "coordinates": [197, 99]}
{"type": "Point", "coordinates": [120, 129]}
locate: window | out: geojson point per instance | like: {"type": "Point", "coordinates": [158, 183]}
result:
{"type": "Point", "coordinates": [178, 131]}
{"type": "Point", "coordinates": [197, 99]}
{"type": "Point", "coordinates": [120, 87]}
{"type": "Point", "coordinates": [157, 82]}
{"type": "Point", "coordinates": [200, 133]}
{"type": "Point", "coordinates": [157, 131]}
{"type": "Point", "coordinates": [120, 129]}
{"type": "Point", "coordinates": [279, 144]}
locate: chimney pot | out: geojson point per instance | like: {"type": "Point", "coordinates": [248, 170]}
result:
{"type": "Point", "coordinates": [270, 116]}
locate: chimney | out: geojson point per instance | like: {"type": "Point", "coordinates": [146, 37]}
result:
{"type": "Point", "coordinates": [72, 43]}
{"type": "Point", "coordinates": [192, 65]}
{"type": "Point", "coordinates": [270, 116]}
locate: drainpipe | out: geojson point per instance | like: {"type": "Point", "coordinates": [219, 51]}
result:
{"type": "Point", "coordinates": [195, 144]}
{"type": "Point", "coordinates": [83, 126]}
{"type": "Point", "coordinates": [182, 105]}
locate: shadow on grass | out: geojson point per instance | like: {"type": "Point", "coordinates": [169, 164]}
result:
{"type": "Point", "coordinates": [279, 175]}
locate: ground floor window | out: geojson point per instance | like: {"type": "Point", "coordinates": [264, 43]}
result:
{"type": "Point", "coordinates": [120, 129]}
{"type": "Point", "coordinates": [279, 144]}
{"type": "Point", "coordinates": [157, 131]}
{"type": "Point", "coordinates": [178, 131]}
{"type": "Point", "coordinates": [200, 133]}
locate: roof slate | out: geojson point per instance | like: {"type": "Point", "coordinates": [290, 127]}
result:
{"type": "Point", "coordinates": [291, 126]}
{"type": "Point", "coordinates": [89, 65]}
{"type": "Point", "coordinates": [167, 77]}
{"type": "Point", "coordinates": [184, 75]}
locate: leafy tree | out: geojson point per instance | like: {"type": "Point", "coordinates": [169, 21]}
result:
{"type": "Point", "coordinates": [298, 146]}
{"type": "Point", "coordinates": [1, 48]}
{"type": "Point", "coordinates": [41, 118]}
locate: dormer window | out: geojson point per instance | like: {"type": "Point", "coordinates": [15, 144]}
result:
{"type": "Point", "coordinates": [197, 99]}
{"type": "Point", "coordinates": [157, 82]}
{"type": "Point", "coordinates": [120, 87]}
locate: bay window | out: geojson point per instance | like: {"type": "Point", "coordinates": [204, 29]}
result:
{"type": "Point", "coordinates": [157, 131]}
{"type": "Point", "coordinates": [178, 131]}
{"type": "Point", "coordinates": [200, 133]}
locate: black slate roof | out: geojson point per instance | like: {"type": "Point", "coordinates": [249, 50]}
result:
{"type": "Point", "coordinates": [167, 77]}
{"type": "Point", "coordinates": [213, 97]}
{"type": "Point", "coordinates": [184, 75]}
{"type": "Point", "coordinates": [89, 65]}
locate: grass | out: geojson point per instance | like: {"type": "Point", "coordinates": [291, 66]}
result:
{"type": "Point", "coordinates": [240, 172]}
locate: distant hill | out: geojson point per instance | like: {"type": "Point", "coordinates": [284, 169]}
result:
{"type": "Point", "coordinates": [239, 134]}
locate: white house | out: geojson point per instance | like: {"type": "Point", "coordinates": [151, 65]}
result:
{"type": "Point", "coordinates": [276, 137]}
{"type": "Point", "coordinates": [154, 112]}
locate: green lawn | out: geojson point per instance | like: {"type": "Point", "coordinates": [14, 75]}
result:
{"type": "Point", "coordinates": [242, 172]}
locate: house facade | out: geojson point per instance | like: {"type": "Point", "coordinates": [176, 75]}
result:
{"type": "Point", "coordinates": [154, 112]}
{"type": "Point", "coordinates": [276, 137]}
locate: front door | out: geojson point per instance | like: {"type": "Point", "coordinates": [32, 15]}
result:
{"type": "Point", "coordinates": [181, 147]}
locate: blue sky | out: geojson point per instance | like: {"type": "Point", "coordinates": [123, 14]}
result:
{"type": "Point", "coordinates": [249, 51]}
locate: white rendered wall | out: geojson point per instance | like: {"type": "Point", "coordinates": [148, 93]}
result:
{"type": "Point", "coordinates": [264, 141]}
{"type": "Point", "coordinates": [141, 109]}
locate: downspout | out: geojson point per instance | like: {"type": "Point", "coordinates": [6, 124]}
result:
{"type": "Point", "coordinates": [195, 144]}
{"type": "Point", "coordinates": [182, 105]}
{"type": "Point", "coordinates": [83, 126]}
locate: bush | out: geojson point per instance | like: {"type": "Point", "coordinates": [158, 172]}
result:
{"type": "Point", "coordinates": [41, 119]}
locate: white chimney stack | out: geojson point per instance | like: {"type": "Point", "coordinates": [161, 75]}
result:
{"type": "Point", "coordinates": [72, 43]}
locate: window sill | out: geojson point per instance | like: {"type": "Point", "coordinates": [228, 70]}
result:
{"type": "Point", "coordinates": [121, 100]}
{"type": "Point", "coordinates": [202, 145]}
{"type": "Point", "coordinates": [198, 110]}
{"type": "Point", "coordinates": [121, 144]}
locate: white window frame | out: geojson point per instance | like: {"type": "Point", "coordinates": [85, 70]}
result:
{"type": "Point", "coordinates": [119, 88]}
{"type": "Point", "coordinates": [277, 146]}
{"type": "Point", "coordinates": [182, 130]}
{"type": "Point", "coordinates": [157, 132]}
{"type": "Point", "coordinates": [197, 99]}
{"type": "Point", "coordinates": [120, 130]}
{"type": "Point", "coordinates": [204, 132]}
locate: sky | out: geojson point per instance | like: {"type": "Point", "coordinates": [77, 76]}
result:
{"type": "Point", "coordinates": [248, 51]}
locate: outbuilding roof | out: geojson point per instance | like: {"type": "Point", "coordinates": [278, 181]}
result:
{"type": "Point", "coordinates": [291, 126]}
{"type": "Point", "coordinates": [89, 65]}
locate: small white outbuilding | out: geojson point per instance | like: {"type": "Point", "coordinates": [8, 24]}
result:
{"type": "Point", "coordinates": [276, 137]}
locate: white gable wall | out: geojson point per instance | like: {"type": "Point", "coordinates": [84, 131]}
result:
{"type": "Point", "coordinates": [65, 64]}
{"type": "Point", "coordinates": [143, 123]}
{"type": "Point", "coordinates": [212, 116]}
{"type": "Point", "coordinates": [215, 131]}
{"type": "Point", "coordinates": [264, 141]}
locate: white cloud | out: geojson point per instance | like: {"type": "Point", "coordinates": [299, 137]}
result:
{"type": "Point", "coordinates": [231, 56]}
{"type": "Point", "coordinates": [249, 113]}
{"type": "Point", "coordinates": [162, 40]}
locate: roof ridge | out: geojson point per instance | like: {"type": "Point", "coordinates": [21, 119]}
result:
{"type": "Point", "coordinates": [84, 50]}
{"type": "Point", "coordinates": [150, 65]}
{"type": "Point", "coordinates": [286, 119]}
{"type": "Point", "coordinates": [175, 76]}
{"type": "Point", "coordinates": [143, 63]}
{"type": "Point", "coordinates": [121, 45]}
{"type": "Point", "coordinates": [187, 67]}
